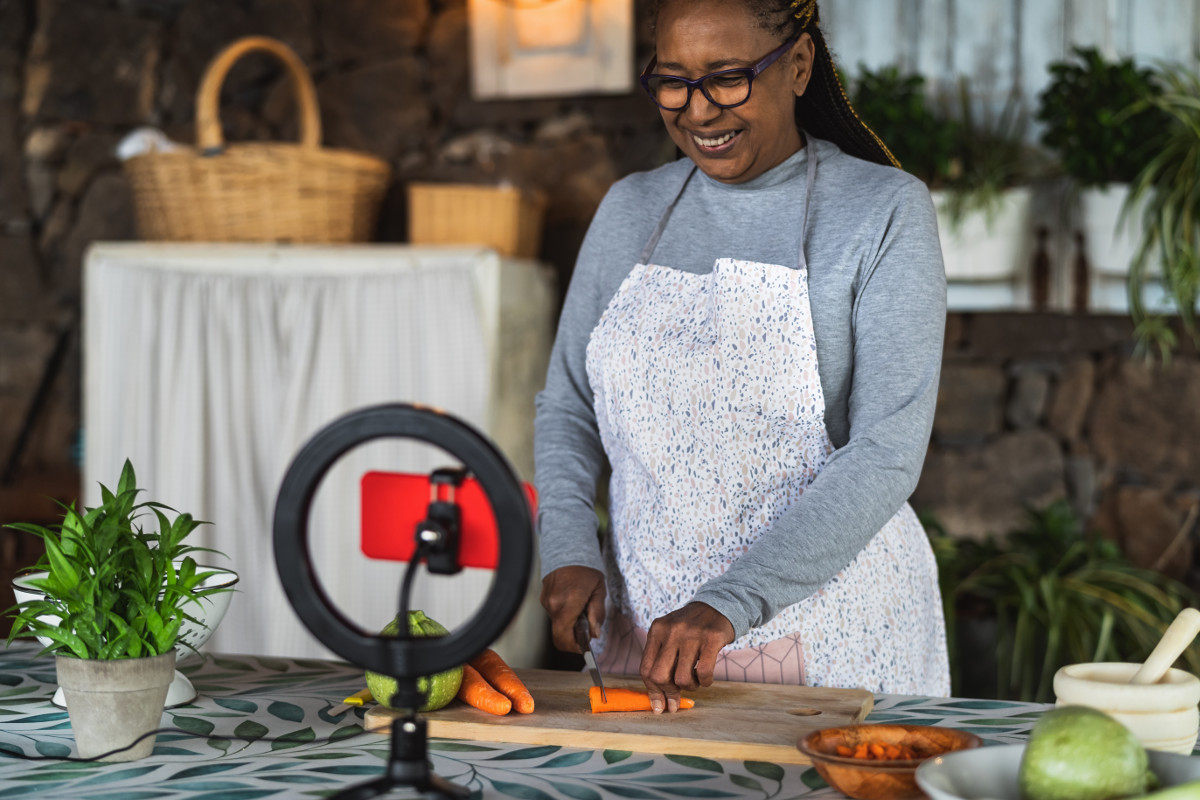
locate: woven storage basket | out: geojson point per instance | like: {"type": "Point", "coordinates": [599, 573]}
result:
{"type": "Point", "coordinates": [257, 191]}
{"type": "Point", "coordinates": [501, 217]}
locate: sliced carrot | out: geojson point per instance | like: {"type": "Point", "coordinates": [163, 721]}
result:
{"type": "Point", "coordinates": [878, 751]}
{"type": "Point", "coordinates": [502, 678]}
{"type": "Point", "coordinates": [477, 692]}
{"type": "Point", "coordinates": [626, 700]}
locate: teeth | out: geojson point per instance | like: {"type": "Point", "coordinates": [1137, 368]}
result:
{"type": "Point", "coordinates": [713, 142]}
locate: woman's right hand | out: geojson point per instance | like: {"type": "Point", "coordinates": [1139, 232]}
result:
{"type": "Point", "coordinates": [568, 592]}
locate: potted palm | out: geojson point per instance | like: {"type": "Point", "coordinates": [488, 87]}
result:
{"type": "Point", "coordinates": [110, 601]}
{"type": "Point", "coordinates": [1046, 595]}
{"type": "Point", "coordinates": [1101, 148]}
{"type": "Point", "coordinates": [1165, 198]}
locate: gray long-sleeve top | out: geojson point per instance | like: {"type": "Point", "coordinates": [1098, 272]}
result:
{"type": "Point", "coordinates": [878, 295]}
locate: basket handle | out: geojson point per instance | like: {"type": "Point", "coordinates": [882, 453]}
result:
{"type": "Point", "coordinates": [208, 121]}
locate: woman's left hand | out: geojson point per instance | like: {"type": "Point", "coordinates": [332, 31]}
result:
{"type": "Point", "coordinates": [681, 653]}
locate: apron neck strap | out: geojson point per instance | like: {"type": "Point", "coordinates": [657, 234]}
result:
{"type": "Point", "coordinates": [808, 193]}
{"type": "Point", "coordinates": [652, 242]}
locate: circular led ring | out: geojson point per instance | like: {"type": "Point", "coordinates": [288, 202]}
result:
{"type": "Point", "coordinates": [402, 658]}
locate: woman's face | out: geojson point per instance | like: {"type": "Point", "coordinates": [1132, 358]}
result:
{"type": "Point", "coordinates": [732, 145]}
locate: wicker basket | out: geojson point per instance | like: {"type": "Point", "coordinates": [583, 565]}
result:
{"type": "Point", "coordinates": [500, 217]}
{"type": "Point", "coordinates": [257, 191]}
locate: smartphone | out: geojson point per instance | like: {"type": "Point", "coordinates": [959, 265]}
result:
{"type": "Point", "coordinates": [394, 502]}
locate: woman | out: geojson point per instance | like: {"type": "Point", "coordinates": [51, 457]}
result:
{"type": "Point", "coordinates": [752, 338]}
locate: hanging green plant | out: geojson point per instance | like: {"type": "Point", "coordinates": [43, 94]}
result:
{"type": "Point", "coordinates": [1167, 189]}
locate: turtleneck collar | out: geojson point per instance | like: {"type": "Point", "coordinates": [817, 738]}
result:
{"type": "Point", "coordinates": [790, 168]}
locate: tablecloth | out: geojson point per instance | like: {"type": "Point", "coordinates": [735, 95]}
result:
{"type": "Point", "coordinates": [290, 745]}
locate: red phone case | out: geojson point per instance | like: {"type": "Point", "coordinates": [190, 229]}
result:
{"type": "Point", "coordinates": [394, 502]}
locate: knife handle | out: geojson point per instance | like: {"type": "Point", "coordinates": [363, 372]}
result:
{"type": "Point", "coordinates": [583, 633]}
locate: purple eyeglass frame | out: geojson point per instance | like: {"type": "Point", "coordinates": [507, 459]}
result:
{"type": "Point", "coordinates": [750, 72]}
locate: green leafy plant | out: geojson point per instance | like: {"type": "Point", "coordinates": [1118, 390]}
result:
{"type": "Point", "coordinates": [896, 107]}
{"type": "Point", "coordinates": [115, 590]}
{"type": "Point", "coordinates": [990, 156]}
{"type": "Point", "coordinates": [1167, 190]}
{"type": "Point", "coordinates": [1058, 596]}
{"type": "Point", "coordinates": [1083, 109]}
{"type": "Point", "coordinates": [947, 144]}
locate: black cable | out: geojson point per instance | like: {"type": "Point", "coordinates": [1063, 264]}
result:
{"type": "Point", "coordinates": [156, 731]}
{"type": "Point", "coordinates": [410, 572]}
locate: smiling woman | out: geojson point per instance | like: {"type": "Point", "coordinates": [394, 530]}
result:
{"type": "Point", "coordinates": [752, 340]}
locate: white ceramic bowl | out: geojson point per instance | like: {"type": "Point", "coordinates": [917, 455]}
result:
{"type": "Point", "coordinates": [210, 611]}
{"type": "Point", "coordinates": [990, 773]}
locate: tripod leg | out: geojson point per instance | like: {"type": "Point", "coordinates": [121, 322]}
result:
{"type": "Point", "coordinates": [408, 766]}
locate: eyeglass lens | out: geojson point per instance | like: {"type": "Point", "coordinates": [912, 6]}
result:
{"type": "Point", "coordinates": [724, 89]}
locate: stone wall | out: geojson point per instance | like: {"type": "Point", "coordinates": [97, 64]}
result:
{"type": "Point", "coordinates": [1032, 407]}
{"type": "Point", "coordinates": [1039, 407]}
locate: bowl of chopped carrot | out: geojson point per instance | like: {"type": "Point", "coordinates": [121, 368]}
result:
{"type": "Point", "coordinates": [879, 762]}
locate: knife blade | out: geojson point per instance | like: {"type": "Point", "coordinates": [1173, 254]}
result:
{"type": "Point", "coordinates": [583, 637]}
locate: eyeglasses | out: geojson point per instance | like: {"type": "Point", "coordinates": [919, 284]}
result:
{"type": "Point", "coordinates": [726, 88]}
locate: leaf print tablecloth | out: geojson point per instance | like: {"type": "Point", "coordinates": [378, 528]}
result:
{"type": "Point", "coordinates": [289, 744]}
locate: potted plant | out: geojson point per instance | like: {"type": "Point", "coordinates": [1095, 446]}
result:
{"type": "Point", "coordinates": [896, 106]}
{"type": "Point", "coordinates": [1165, 196]}
{"type": "Point", "coordinates": [1101, 148]}
{"type": "Point", "coordinates": [110, 602]}
{"type": "Point", "coordinates": [1049, 594]}
{"type": "Point", "coordinates": [975, 171]}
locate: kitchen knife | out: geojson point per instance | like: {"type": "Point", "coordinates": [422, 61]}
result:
{"type": "Point", "coordinates": [583, 637]}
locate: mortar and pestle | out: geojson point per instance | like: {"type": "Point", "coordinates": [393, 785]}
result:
{"type": "Point", "coordinates": [1156, 702]}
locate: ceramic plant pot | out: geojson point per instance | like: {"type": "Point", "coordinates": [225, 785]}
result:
{"type": "Point", "coordinates": [207, 613]}
{"type": "Point", "coordinates": [111, 703]}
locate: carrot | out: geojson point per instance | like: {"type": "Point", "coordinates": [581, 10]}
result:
{"type": "Point", "coordinates": [626, 700]}
{"type": "Point", "coordinates": [878, 751]}
{"type": "Point", "coordinates": [501, 676]}
{"type": "Point", "coordinates": [477, 692]}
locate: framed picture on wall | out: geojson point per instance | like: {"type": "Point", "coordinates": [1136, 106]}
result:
{"type": "Point", "coordinates": [541, 48]}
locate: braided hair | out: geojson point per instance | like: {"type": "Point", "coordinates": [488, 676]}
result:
{"type": "Point", "coordinates": [823, 110]}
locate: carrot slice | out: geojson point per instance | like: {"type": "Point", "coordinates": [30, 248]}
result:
{"type": "Point", "coordinates": [626, 700]}
{"type": "Point", "coordinates": [477, 692]}
{"type": "Point", "coordinates": [502, 678]}
{"type": "Point", "coordinates": [877, 751]}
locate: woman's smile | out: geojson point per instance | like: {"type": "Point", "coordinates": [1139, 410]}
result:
{"type": "Point", "coordinates": [716, 143]}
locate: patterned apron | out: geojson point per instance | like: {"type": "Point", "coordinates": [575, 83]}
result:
{"type": "Point", "coordinates": [710, 408]}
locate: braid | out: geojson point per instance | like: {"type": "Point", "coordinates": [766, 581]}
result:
{"type": "Point", "coordinates": [824, 110]}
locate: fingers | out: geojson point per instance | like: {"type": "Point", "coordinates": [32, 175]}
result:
{"type": "Point", "coordinates": [566, 593]}
{"type": "Point", "coordinates": [681, 653]}
{"type": "Point", "coordinates": [655, 669]}
{"type": "Point", "coordinates": [595, 610]}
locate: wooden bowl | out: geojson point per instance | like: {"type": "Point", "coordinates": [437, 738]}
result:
{"type": "Point", "coordinates": [868, 779]}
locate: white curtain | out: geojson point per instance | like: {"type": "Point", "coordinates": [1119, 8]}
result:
{"type": "Point", "coordinates": [209, 366]}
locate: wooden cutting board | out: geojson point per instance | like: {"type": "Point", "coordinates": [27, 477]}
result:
{"type": "Point", "coordinates": [742, 721]}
